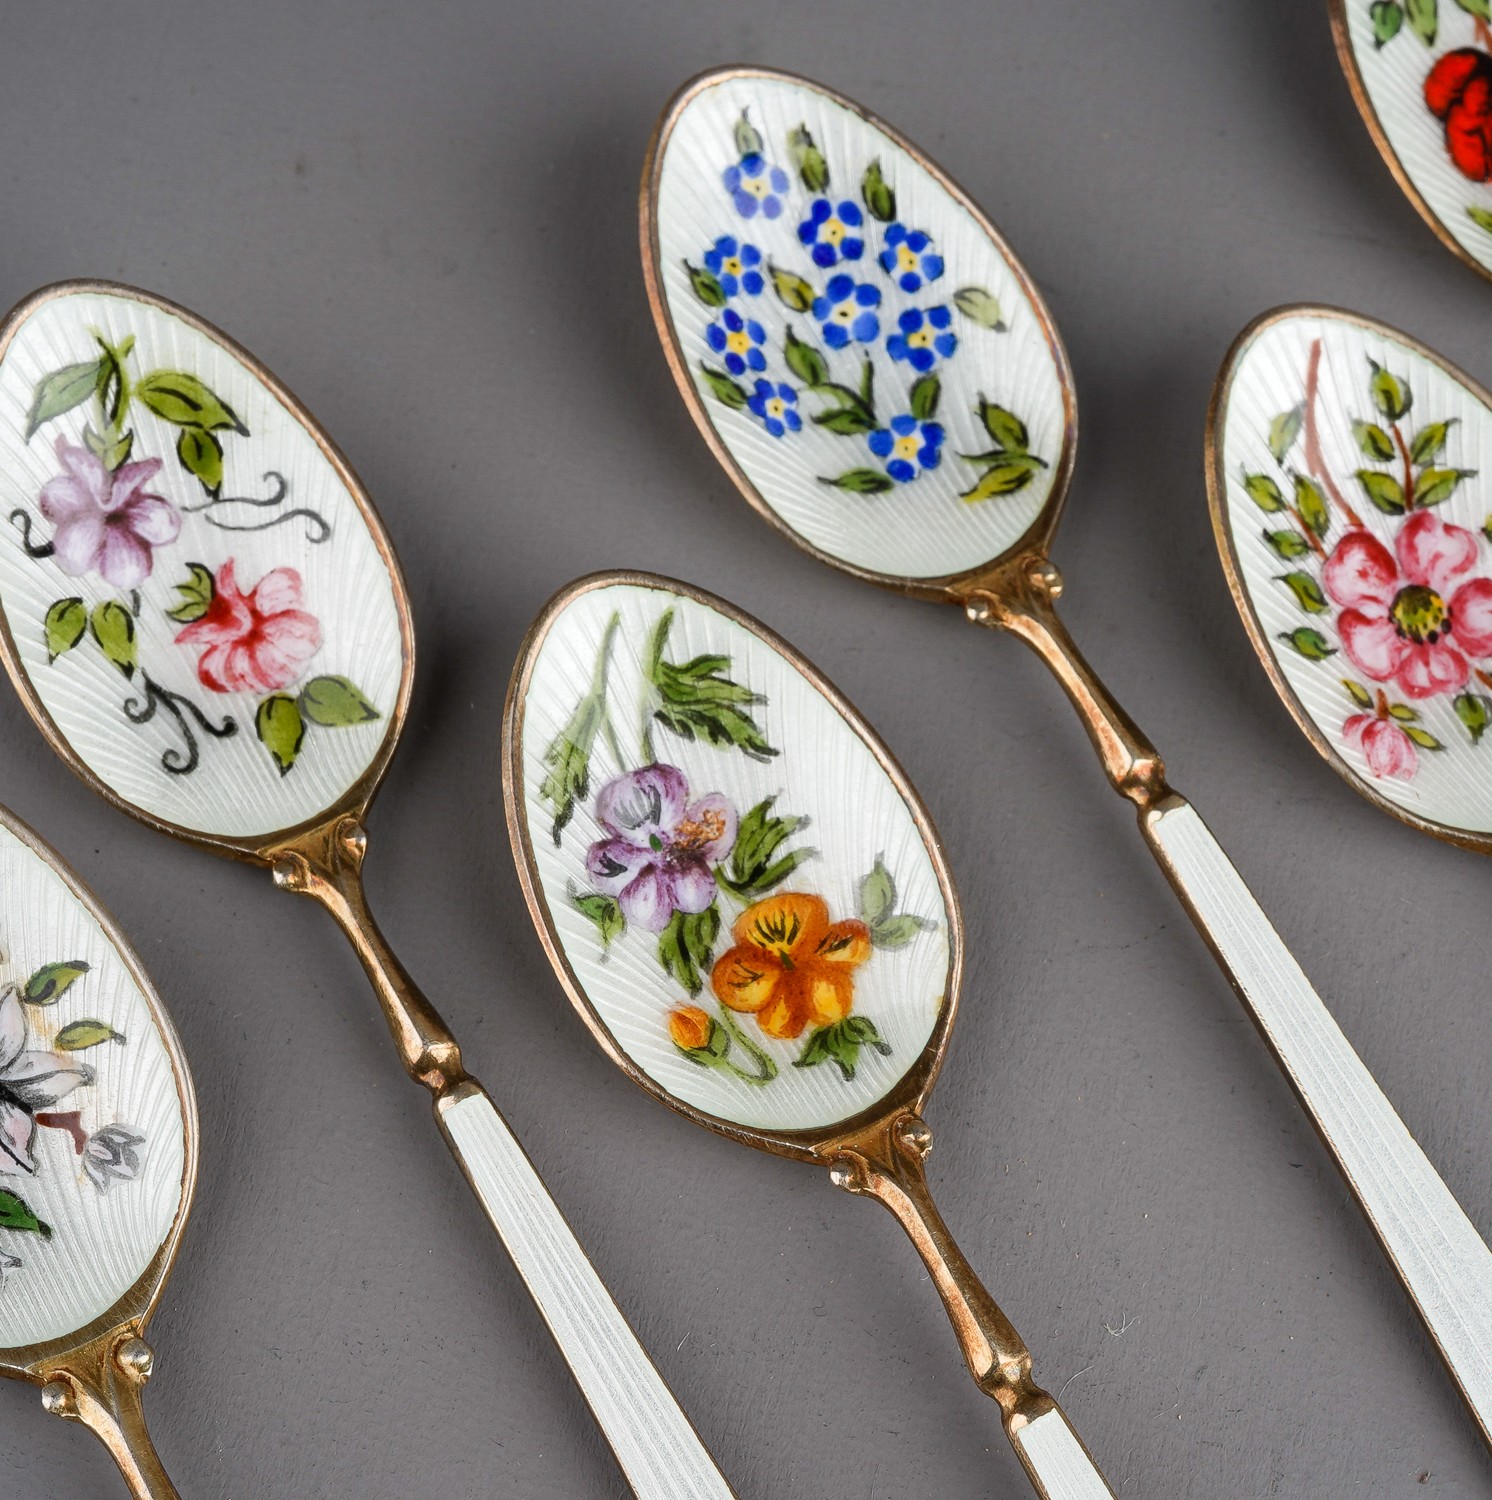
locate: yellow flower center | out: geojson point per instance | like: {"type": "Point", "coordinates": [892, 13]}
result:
{"type": "Point", "coordinates": [756, 186]}
{"type": "Point", "coordinates": [738, 343]}
{"type": "Point", "coordinates": [905, 260]}
{"type": "Point", "coordinates": [844, 313]}
{"type": "Point", "coordinates": [922, 339]}
{"type": "Point", "coordinates": [1419, 615]}
{"type": "Point", "coordinates": [776, 406]}
{"type": "Point", "coordinates": [834, 231]}
{"type": "Point", "coordinates": [696, 833]}
{"type": "Point", "coordinates": [777, 931]}
{"type": "Point", "coordinates": [731, 266]}
{"type": "Point", "coordinates": [906, 447]}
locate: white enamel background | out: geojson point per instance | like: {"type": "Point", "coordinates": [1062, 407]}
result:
{"type": "Point", "coordinates": [1454, 786]}
{"type": "Point", "coordinates": [101, 1242]}
{"type": "Point", "coordinates": [825, 770]}
{"type": "Point", "coordinates": [236, 790]}
{"type": "Point", "coordinates": [922, 529]}
{"type": "Point", "coordinates": [1394, 77]}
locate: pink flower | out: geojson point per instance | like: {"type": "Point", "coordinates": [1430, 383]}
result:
{"type": "Point", "coordinates": [1387, 749]}
{"type": "Point", "coordinates": [257, 642]}
{"type": "Point", "coordinates": [105, 521]}
{"type": "Point", "coordinates": [1401, 621]}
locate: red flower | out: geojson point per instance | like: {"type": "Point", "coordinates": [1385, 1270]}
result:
{"type": "Point", "coordinates": [256, 642]}
{"type": "Point", "coordinates": [1385, 746]}
{"type": "Point", "coordinates": [1459, 91]}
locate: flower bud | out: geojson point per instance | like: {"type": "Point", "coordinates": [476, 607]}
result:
{"type": "Point", "coordinates": [690, 1027]}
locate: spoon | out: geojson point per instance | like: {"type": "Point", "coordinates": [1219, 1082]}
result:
{"type": "Point", "coordinates": [204, 615]}
{"type": "Point", "coordinates": [98, 1154]}
{"type": "Point", "coordinates": [1421, 73]}
{"type": "Point", "coordinates": [879, 376]}
{"type": "Point", "coordinates": [746, 901]}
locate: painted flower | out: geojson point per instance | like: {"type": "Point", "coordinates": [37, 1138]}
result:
{"type": "Point", "coordinates": [112, 1155]}
{"type": "Point", "coordinates": [908, 447]}
{"type": "Point", "coordinates": [1383, 744]}
{"type": "Point", "coordinates": [909, 258]}
{"type": "Point", "coordinates": [738, 342]}
{"type": "Point", "coordinates": [1459, 91]}
{"type": "Point", "coordinates": [776, 406]}
{"type": "Point", "coordinates": [833, 233]}
{"type": "Point", "coordinates": [257, 642]}
{"type": "Point", "coordinates": [29, 1081]}
{"type": "Point", "coordinates": [8, 1263]}
{"type": "Point", "coordinates": [735, 266]}
{"type": "Point", "coordinates": [107, 522]}
{"type": "Point", "coordinates": [923, 337]}
{"type": "Point", "coordinates": [660, 847]}
{"type": "Point", "coordinates": [756, 186]}
{"type": "Point", "coordinates": [791, 966]}
{"type": "Point", "coordinates": [1415, 619]}
{"type": "Point", "coordinates": [690, 1027]}
{"type": "Point", "coordinates": [847, 311]}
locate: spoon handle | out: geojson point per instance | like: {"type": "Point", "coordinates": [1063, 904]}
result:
{"type": "Point", "coordinates": [885, 1162]}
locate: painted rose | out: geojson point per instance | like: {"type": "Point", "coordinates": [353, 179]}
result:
{"type": "Point", "coordinates": [660, 848]}
{"type": "Point", "coordinates": [1418, 616]}
{"type": "Point", "coordinates": [791, 967]}
{"type": "Point", "coordinates": [1459, 91]}
{"type": "Point", "coordinates": [1388, 751]}
{"type": "Point", "coordinates": [104, 522]}
{"type": "Point", "coordinates": [29, 1081]}
{"type": "Point", "coordinates": [256, 641]}
{"type": "Point", "coordinates": [112, 1155]}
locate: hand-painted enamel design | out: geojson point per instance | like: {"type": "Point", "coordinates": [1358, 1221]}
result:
{"type": "Point", "coordinates": [188, 585]}
{"type": "Point", "coordinates": [1349, 493]}
{"type": "Point", "coordinates": [860, 342]}
{"type": "Point", "coordinates": [741, 891]}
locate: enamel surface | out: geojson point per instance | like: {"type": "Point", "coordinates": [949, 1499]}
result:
{"type": "Point", "coordinates": [1426, 751]}
{"type": "Point", "coordinates": [921, 527]}
{"type": "Point", "coordinates": [310, 551]}
{"type": "Point", "coordinates": [101, 1240]}
{"type": "Point", "coordinates": [824, 772]}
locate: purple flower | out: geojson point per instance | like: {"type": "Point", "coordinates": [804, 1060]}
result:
{"type": "Point", "coordinates": [755, 186]}
{"type": "Point", "coordinates": [660, 847]}
{"type": "Point", "coordinates": [107, 522]}
{"type": "Point", "coordinates": [29, 1081]}
{"type": "Point", "coordinates": [112, 1154]}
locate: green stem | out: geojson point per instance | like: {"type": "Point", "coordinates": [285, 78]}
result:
{"type": "Point", "coordinates": [650, 685]}
{"type": "Point", "coordinates": [767, 1069]}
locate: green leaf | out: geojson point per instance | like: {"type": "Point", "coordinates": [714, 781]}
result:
{"type": "Point", "coordinates": [755, 866]}
{"type": "Point", "coordinates": [77, 1036]}
{"type": "Point", "coordinates": [697, 701]}
{"type": "Point", "coordinates": [201, 455]}
{"type": "Point", "coordinates": [1383, 490]}
{"type": "Point", "coordinates": [335, 702]}
{"type": "Point", "coordinates": [60, 391]}
{"type": "Point", "coordinates": [1436, 486]}
{"type": "Point", "coordinates": [861, 481]}
{"type": "Point", "coordinates": [879, 198]}
{"type": "Point", "coordinates": [792, 291]}
{"type": "Point", "coordinates": [1375, 443]}
{"type": "Point", "coordinates": [924, 399]}
{"type": "Point", "coordinates": [748, 137]}
{"type": "Point", "coordinates": [897, 932]}
{"type": "Point", "coordinates": [185, 401]}
{"type": "Point", "coordinates": [687, 945]}
{"type": "Point", "coordinates": [1310, 643]}
{"type": "Point", "coordinates": [1387, 17]}
{"type": "Point", "coordinates": [1307, 592]}
{"type": "Point", "coordinates": [66, 622]}
{"type": "Point", "coordinates": [1475, 712]}
{"type": "Point", "coordinates": [1311, 504]}
{"type": "Point", "coordinates": [1358, 693]}
{"type": "Point", "coordinates": [980, 306]}
{"type": "Point", "coordinates": [877, 894]}
{"type": "Point", "coordinates": [111, 453]}
{"type": "Point", "coordinates": [1391, 395]}
{"type": "Point", "coordinates": [1424, 19]}
{"type": "Point", "coordinates": [813, 170]}
{"type": "Point", "coordinates": [847, 421]}
{"type": "Point", "coordinates": [113, 628]}
{"type": "Point", "coordinates": [1264, 492]}
{"type": "Point", "coordinates": [1289, 544]}
{"type": "Point", "coordinates": [15, 1213]}
{"type": "Point", "coordinates": [1481, 217]}
{"type": "Point", "coordinates": [706, 286]}
{"type": "Point", "coordinates": [52, 981]}
{"type": "Point", "coordinates": [1403, 713]}
{"type": "Point", "coordinates": [1423, 738]}
{"type": "Point", "coordinates": [1481, 9]}
{"type": "Point", "coordinates": [605, 912]}
{"type": "Point", "coordinates": [805, 361]}
{"type": "Point", "coordinates": [1429, 440]}
{"type": "Point", "coordinates": [1284, 430]}
{"type": "Point", "coordinates": [1003, 426]}
{"type": "Point", "coordinates": [1004, 476]}
{"type": "Point", "coordinates": [724, 389]}
{"type": "Point", "coordinates": [197, 594]}
{"type": "Point", "coordinates": [281, 729]}
{"type": "Point", "coordinates": [568, 754]}
{"type": "Point", "coordinates": [840, 1043]}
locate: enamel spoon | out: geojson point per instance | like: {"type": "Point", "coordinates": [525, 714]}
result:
{"type": "Point", "coordinates": [1421, 74]}
{"type": "Point", "coordinates": [202, 612]}
{"type": "Point", "coordinates": [879, 376]}
{"type": "Point", "coordinates": [98, 1154]}
{"type": "Point", "coordinates": [745, 900]}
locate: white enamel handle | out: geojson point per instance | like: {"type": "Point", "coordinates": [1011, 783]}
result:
{"type": "Point", "coordinates": [659, 1451]}
{"type": "Point", "coordinates": [1059, 1465]}
{"type": "Point", "coordinates": [1434, 1247]}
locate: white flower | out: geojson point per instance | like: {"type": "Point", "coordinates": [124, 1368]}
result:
{"type": "Point", "coordinates": [29, 1081]}
{"type": "Point", "coordinates": [112, 1153]}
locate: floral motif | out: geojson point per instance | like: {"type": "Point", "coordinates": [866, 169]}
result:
{"type": "Point", "coordinates": [908, 447]}
{"type": "Point", "coordinates": [923, 337]}
{"type": "Point", "coordinates": [1384, 744]}
{"type": "Point", "coordinates": [846, 311]}
{"type": "Point", "coordinates": [738, 341]}
{"type": "Point", "coordinates": [909, 258]}
{"type": "Point", "coordinates": [256, 642]}
{"type": "Point", "coordinates": [833, 233]}
{"type": "Point", "coordinates": [777, 407]}
{"type": "Point", "coordinates": [756, 186]}
{"type": "Point", "coordinates": [1458, 91]}
{"type": "Point", "coordinates": [112, 1155]}
{"type": "Point", "coordinates": [690, 1028]}
{"type": "Point", "coordinates": [29, 1081]}
{"type": "Point", "coordinates": [735, 265]}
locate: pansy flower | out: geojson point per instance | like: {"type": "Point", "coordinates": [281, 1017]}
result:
{"type": "Point", "coordinates": [832, 233]}
{"type": "Point", "coordinates": [734, 265]}
{"type": "Point", "coordinates": [738, 342]}
{"type": "Point", "coordinates": [908, 447]}
{"type": "Point", "coordinates": [923, 337]}
{"type": "Point", "coordinates": [847, 311]}
{"type": "Point", "coordinates": [776, 405]}
{"type": "Point", "coordinates": [756, 186]}
{"type": "Point", "coordinates": [909, 258]}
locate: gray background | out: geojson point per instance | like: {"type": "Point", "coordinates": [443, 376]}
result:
{"type": "Point", "coordinates": [422, 218]}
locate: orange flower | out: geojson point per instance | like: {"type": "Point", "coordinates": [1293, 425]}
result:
{"type": "Point", "coordinates": [690, 1027]}
{"type": "Point", "coordinates": [791, 966]}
